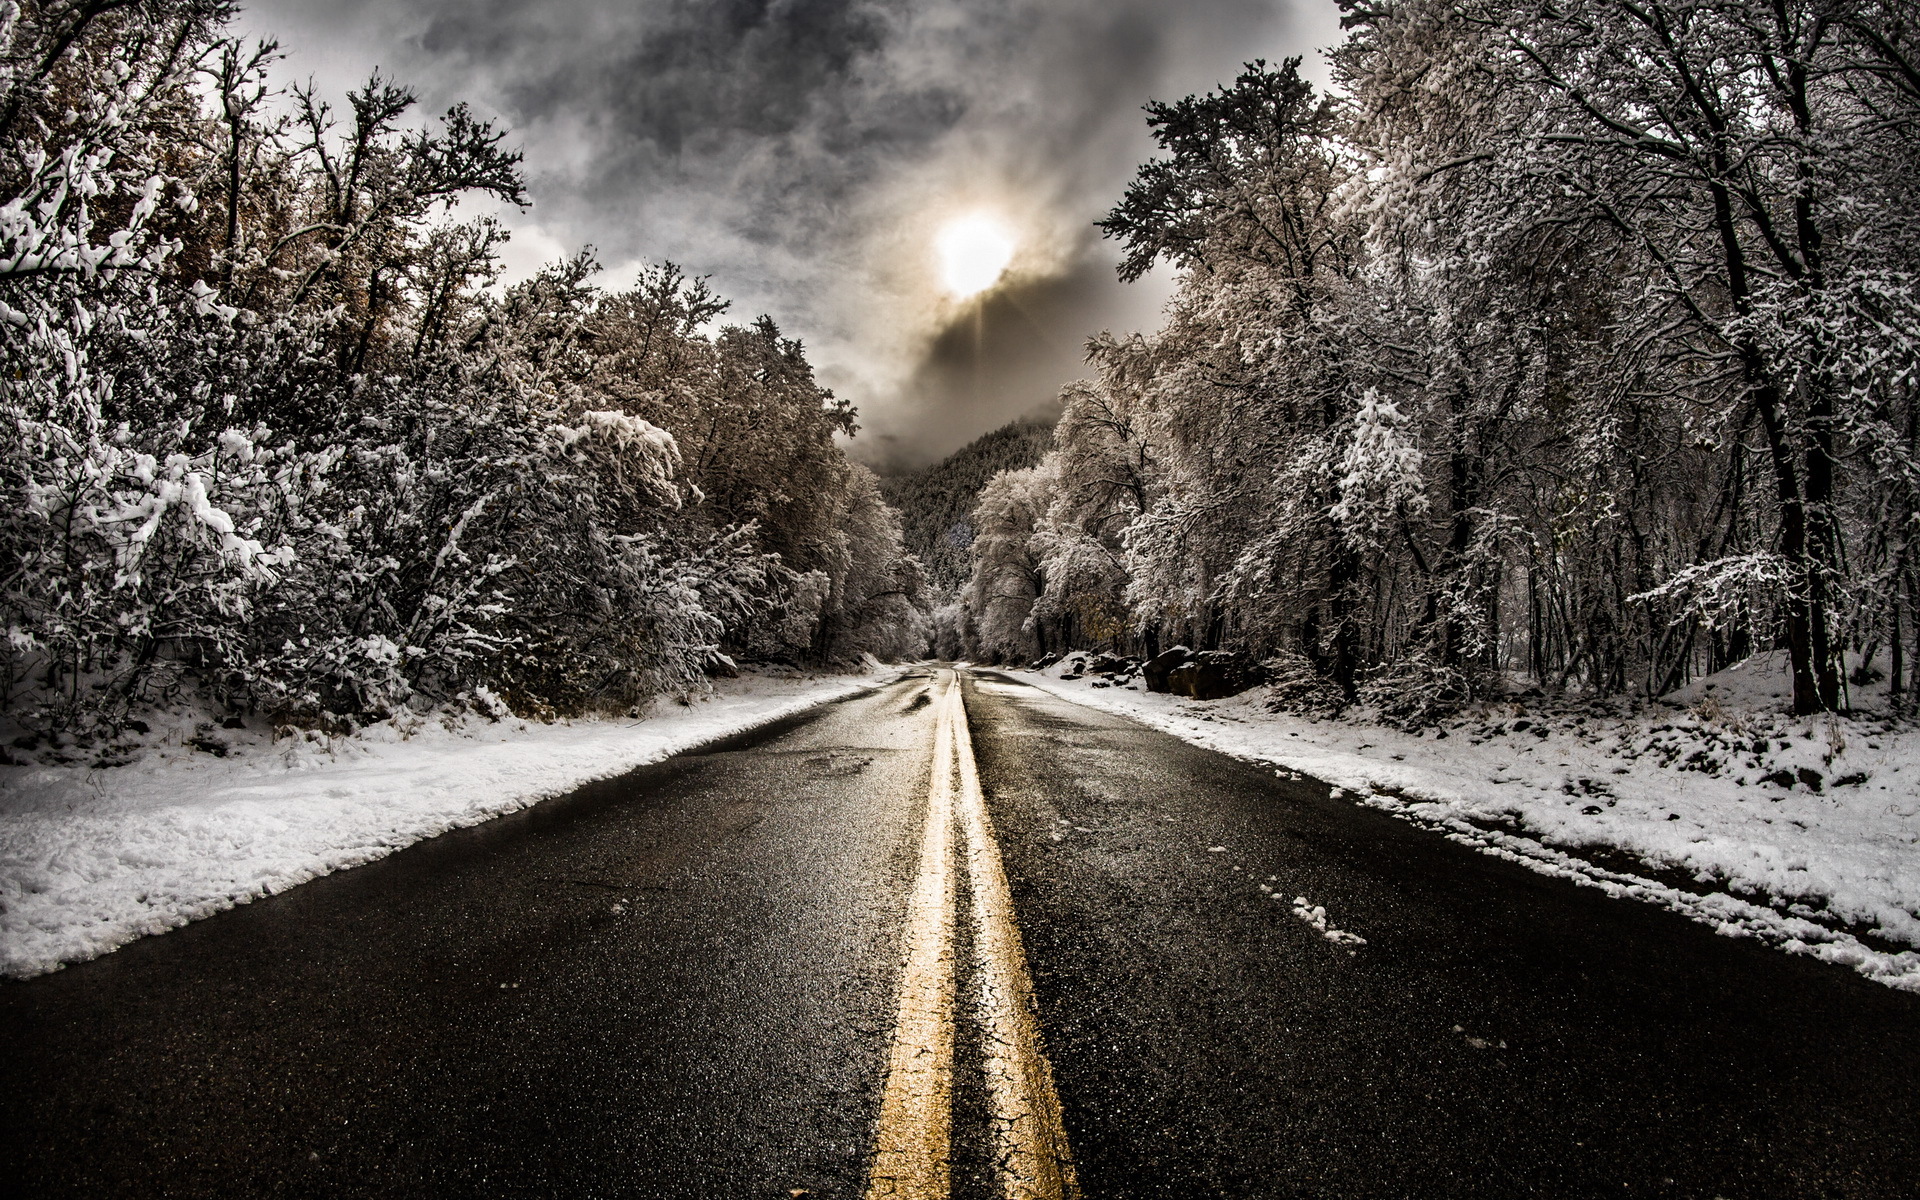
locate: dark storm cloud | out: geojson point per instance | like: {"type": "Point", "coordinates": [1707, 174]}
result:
{"type": "Point", "coordinates": [792, 148]}
{"type": "Point", "coordinates": [1005, 358]}
{"type": "Point", "coordinates": [678, 91]}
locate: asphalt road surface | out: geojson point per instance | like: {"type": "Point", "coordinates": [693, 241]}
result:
{"type": "Point", "coordinates": [909, 946]}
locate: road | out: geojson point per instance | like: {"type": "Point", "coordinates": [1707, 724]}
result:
{"type": "Point", "coordinates": [953, 939]}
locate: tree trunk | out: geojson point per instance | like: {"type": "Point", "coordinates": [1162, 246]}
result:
{"type": "Point", "coordinates": [1816, 685]}
{"type": "Point", "coordinates": [1344, 663]}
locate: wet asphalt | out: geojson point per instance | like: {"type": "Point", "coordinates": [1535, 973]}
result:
{"type": "Point", "coordinates": [680, 983]}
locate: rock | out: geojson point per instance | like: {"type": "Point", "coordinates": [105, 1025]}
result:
{"type": "Point", "coordinates": [1155, 669]}
{"type": "Point", "coordinates": [719, 666]}
{"type": "Point", "coordinates": [1214, 675]}
{"type": "Point", "coordinates": [1111, 664]}
{"type": "Point", "coordinates": [1044, 661]}
{"type": "Point", "coordinates": [1812, 778]}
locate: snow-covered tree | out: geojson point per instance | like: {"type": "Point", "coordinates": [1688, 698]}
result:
{"type": "Point", "coordinates": [275, 445]}
{"type": "Point", "coordinates": [1572, 343]}
{"type": "Point", "coordinates": [1007, 574]}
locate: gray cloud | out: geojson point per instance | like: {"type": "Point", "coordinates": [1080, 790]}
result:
{"type": "Point", "coordinates": [802, 152]}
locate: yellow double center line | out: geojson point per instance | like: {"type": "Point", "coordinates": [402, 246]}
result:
{"type": "Point", "coordinates": [913, 1146]}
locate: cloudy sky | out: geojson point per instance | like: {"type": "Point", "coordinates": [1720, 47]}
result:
{"type": "Point", "coordinates": [807, 155]}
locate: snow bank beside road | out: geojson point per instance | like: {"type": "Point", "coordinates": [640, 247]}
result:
{"type": "Point", "coordinates": [92, 858]}
{"type": "Point", "coordinates": [1627, 804]}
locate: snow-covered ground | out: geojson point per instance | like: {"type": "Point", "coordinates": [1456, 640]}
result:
{"type": "Point", "coordinates": [92, 857]}
{"type": "Point", "coordinates": [1804, 832]}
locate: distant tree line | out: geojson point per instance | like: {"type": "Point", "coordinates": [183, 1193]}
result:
{"type": "Point", "coordinates": [1572, 342]}
{"type": "Point", "coordinates": [278, 440]}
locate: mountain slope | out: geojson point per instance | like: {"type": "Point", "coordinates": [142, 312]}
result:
{"type": "Point", "coordinates": [935, 502]}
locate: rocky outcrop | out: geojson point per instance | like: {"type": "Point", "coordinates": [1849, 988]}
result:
{"type": "Point", "coordinates": [1213, 675]}
{"type": "Point", "coordinates": [1156, 669]}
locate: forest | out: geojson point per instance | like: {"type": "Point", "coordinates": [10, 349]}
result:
{"type": "Point", "coordinates": [1569, 347]}
{"type": "Point", "coordinates": [281, 443]}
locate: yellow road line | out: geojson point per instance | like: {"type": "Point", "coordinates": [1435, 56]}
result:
{"type": "Point", "coordinates": [912, 1147]}
{"type": "Point", "coordinates": [913, 1144]}
{"type": "Point", "coordinates": [1030, 1140]}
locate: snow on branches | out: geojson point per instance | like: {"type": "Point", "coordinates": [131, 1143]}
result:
{"type": "Point", "coordinates": [1573, 348]}
{"type": "Point", "coordinates": [274, 443]}
{"type": "Point", "coordinates": [1381, 473]}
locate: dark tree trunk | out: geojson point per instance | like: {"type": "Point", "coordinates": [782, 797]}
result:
{"type": "Point", "coordinates": [1343, 665]}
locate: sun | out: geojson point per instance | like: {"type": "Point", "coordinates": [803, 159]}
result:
{"type": "Point", "coordinates": [974, 252]}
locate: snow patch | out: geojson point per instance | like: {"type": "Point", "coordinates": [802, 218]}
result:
{"type": "Point", "coordinates": [1316, 916]}
{"type": "Point", "coordinates": [1801, 832]}
{"type": "Point", "coordinates": [92, 858]}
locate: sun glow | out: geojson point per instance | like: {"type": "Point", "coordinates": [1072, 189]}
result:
{"type": "Point", "coordinates": [974, 252]}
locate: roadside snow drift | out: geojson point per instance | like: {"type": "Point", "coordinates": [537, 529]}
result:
{"type": "Point", "coordinates": [94, 857]}
{"type": "Point", "coordinates": [1804, 832]}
